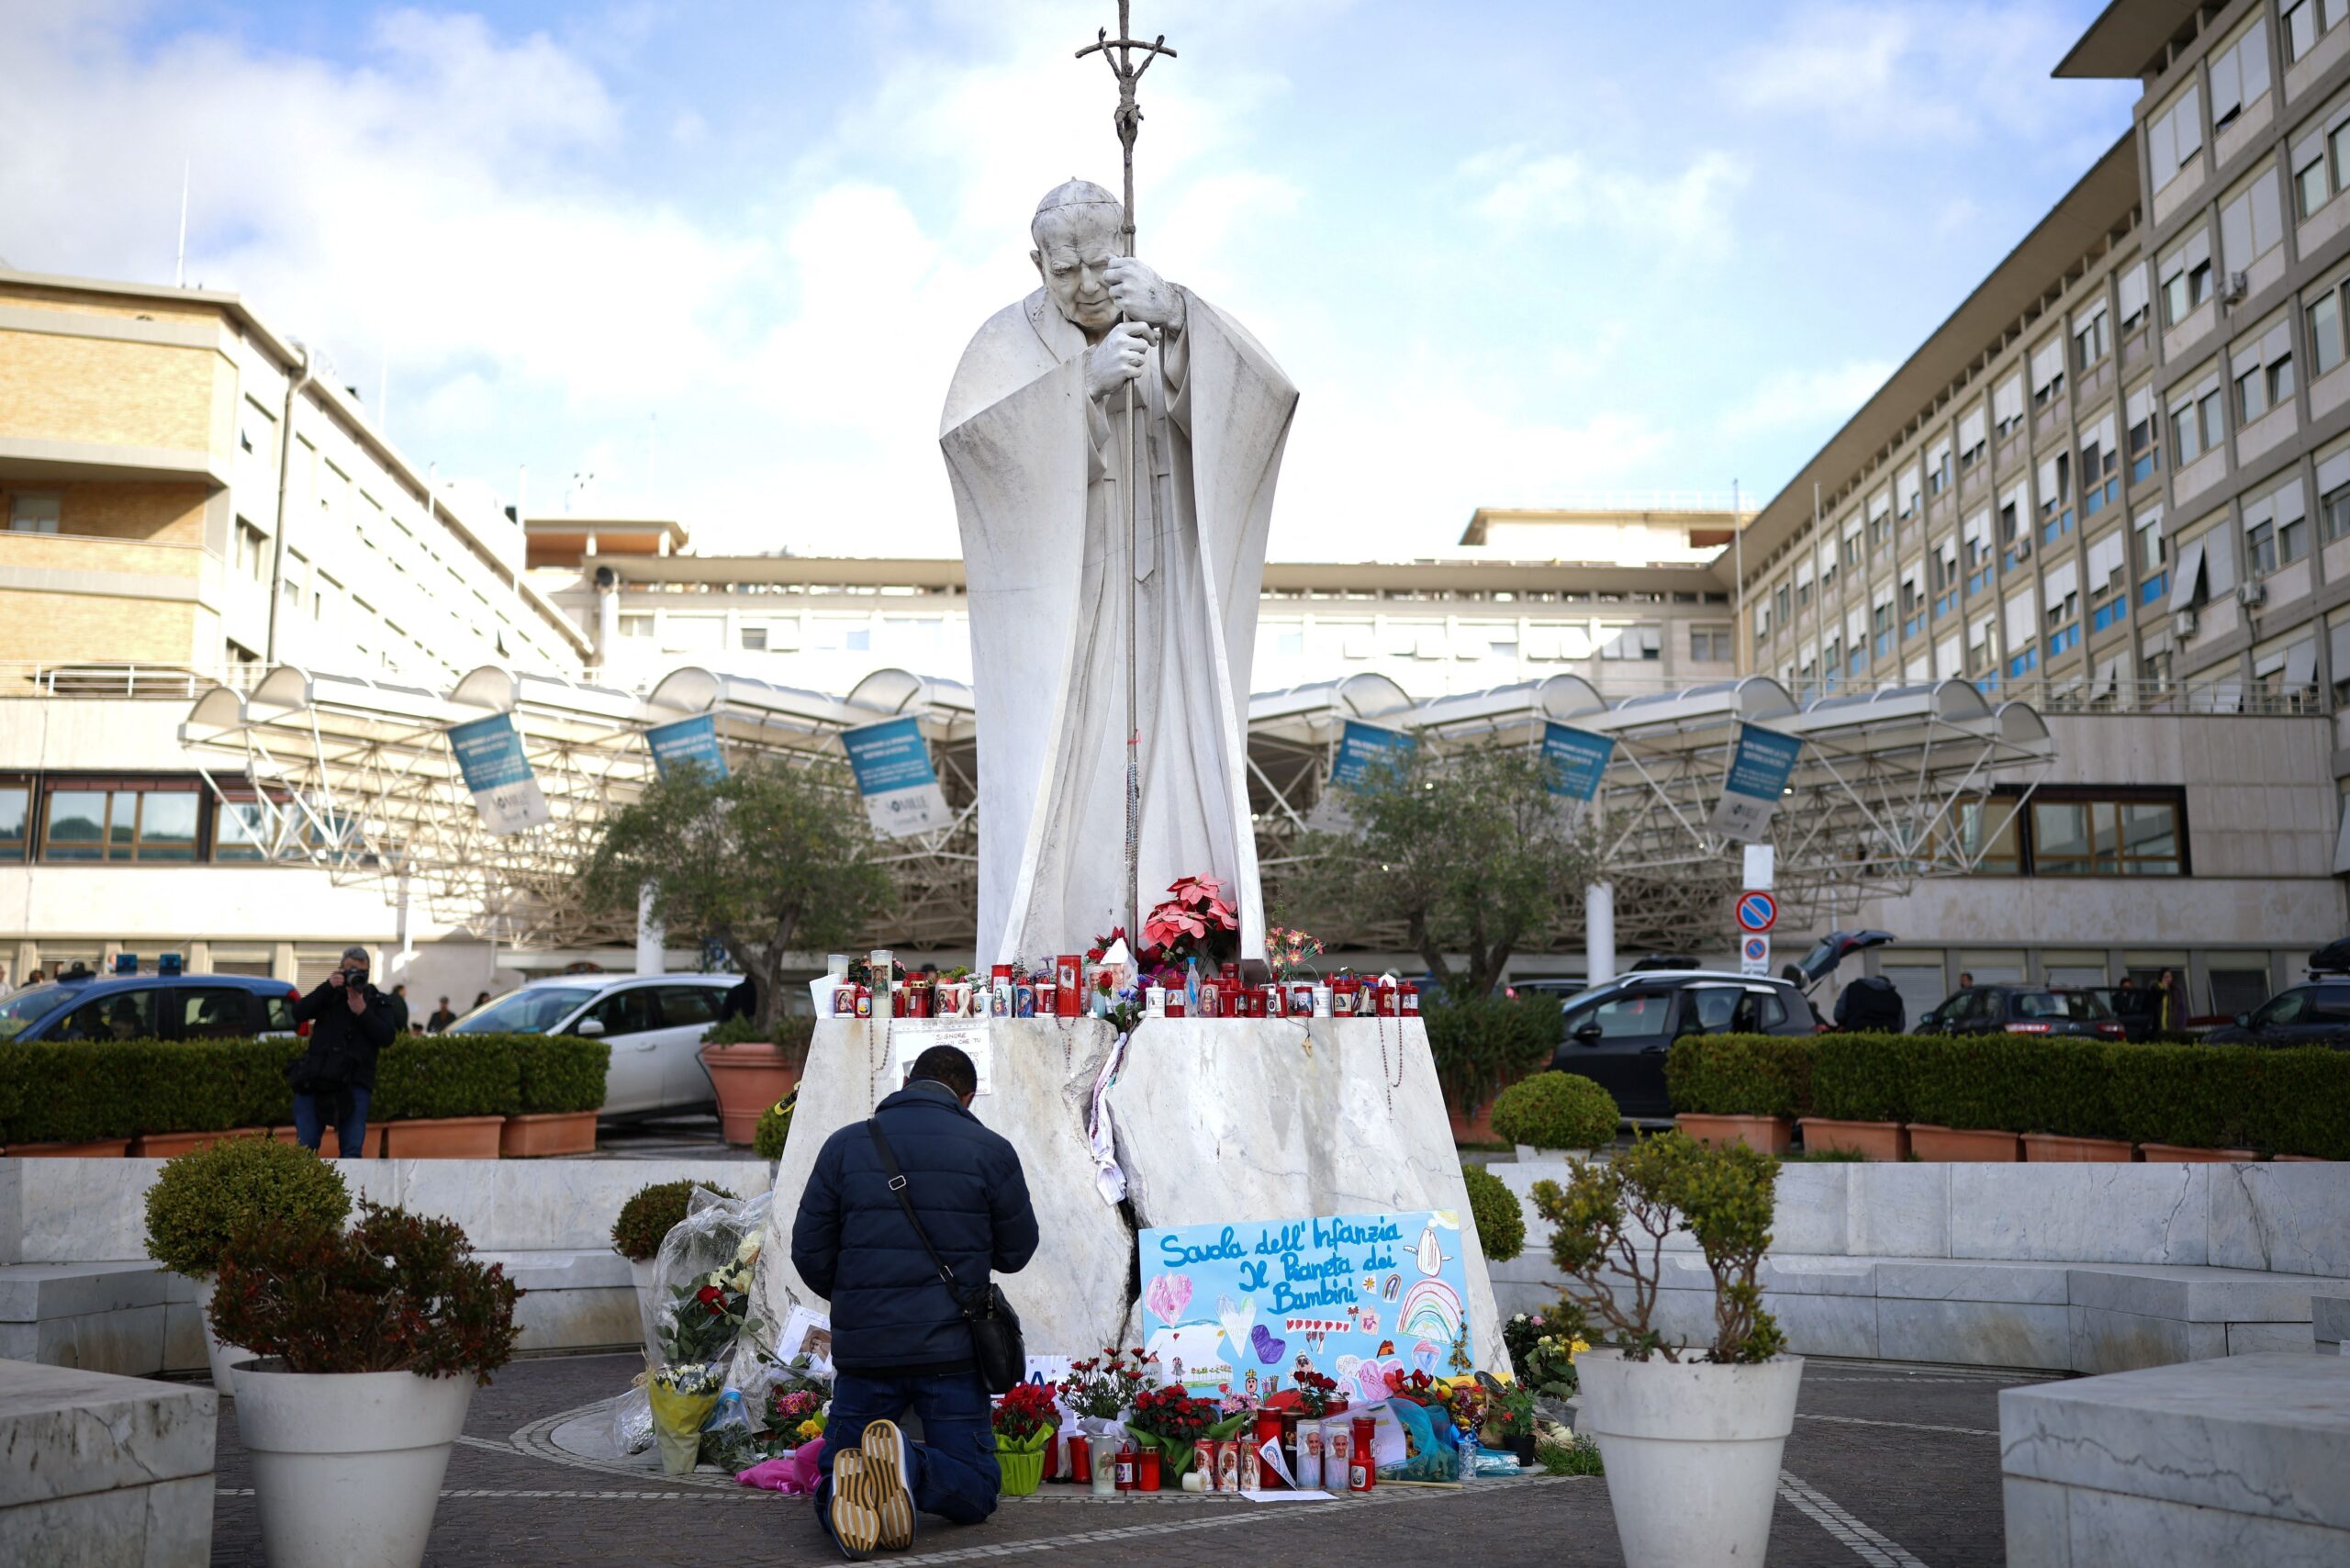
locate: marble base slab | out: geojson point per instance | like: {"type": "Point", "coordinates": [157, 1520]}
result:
{"type": "Point", "coordinates": [2330, 1322]}
{"type": "Point", "coordinates": [69, 1432]}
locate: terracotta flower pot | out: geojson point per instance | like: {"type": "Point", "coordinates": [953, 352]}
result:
{"type": "Point", "coordinates": [163, 1145]}
{"type": "Point", "coordinates": [749, 1078]}
{"type": "Point", "coordinates": [1870, 1140]}
{"type": "Point", "coordinates": [2050, 1148]}
{"type": "Point", "coordinates": [111, 1148]}
{"type": "Point", "coordinates": [1927, 1141]}
{"type": "Point", "coordinates": [371, 1143]}
{"type": "Point", "coordinates": [2178, 1154]}
{"type": "Point", "coordinates": [548, 1132]}
{"type": "Point", "coordinates": [2299, 1159]}
{"type": "Point", "coordinates": [444, 1137]}
{"type": "Point", "coordinates": [1768, 1134]}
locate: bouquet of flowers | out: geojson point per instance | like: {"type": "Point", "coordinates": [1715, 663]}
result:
{"type": "Point", "coordinates": [1510, 1417]}
{"type": "Point", "coordinates": [1102, 1387]}
{"type": "Point", "coordinates": [1196, 921]}
{"type": "Point", "coordinates": [1550, 1365]}
{"type": "Point", "coordinates": [1418, 1387]}
{"type": "Point", "coordinates": [795, 1414]}
{"type": "Point", "coordinates": [1317, 1395]}
{"type": "Point", "coordinates": [1467, 1404]}
{"type": "Point", "coordinates": [1172, 1421]}
{"type": "Point", "coordinates": [1024, 1418]}
{"type": "Point", "coordinates": [1291, 952]}
{"type": "Point", "coordinates": [682, 1398]}
{"type": "Point", "coordinates": [710, 1312]}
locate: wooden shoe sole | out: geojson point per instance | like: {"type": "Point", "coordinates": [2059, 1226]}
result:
{"type": "Point", "coordinates": [856, 1523]}
{"type": "Point", "coordinates": [885, 1484]}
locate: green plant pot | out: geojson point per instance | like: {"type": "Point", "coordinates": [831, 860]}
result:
{"type": "Point", "coordinates": [1022, 1470]}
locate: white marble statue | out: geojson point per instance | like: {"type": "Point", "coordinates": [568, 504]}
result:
{"type": "Point", "coordinates": [1034, 436]}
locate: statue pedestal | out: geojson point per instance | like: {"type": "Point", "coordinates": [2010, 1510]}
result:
{"type": "Point", "coordinates": [1216, 1120]}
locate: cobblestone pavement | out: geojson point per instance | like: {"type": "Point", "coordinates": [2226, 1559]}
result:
{"type": "Point", "coordinates": [1890, 1466]}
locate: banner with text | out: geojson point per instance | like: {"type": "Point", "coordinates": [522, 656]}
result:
{"type": "Point", "coordinates": [1577, 757]}
{"type": "Point", "coordinates": [894, 773]}
{"type": "Point", "coordinates": [1364, 751]}
{"type": "Point", "coordinates": [687, 742]}
{"type": "Point", "coordinates": [505, 790]}
{"type": "Point", "coordinates": [1759, 763]}
{"type": "Point", "coordinates": [1352, 1296]}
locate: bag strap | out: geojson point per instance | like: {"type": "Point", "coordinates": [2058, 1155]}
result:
{"type": "Point", "coordinates": [897, 1186]}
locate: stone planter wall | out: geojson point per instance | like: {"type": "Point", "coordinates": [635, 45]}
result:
{"type": "Point", "coordinates": [105, 1469]}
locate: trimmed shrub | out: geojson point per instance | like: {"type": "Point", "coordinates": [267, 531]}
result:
{"type": "Point", "coordinates": [2300, 1101]}
{"type": "Point", "coordinates": [1501, 1224]}
{"type": "Point", "coordinates": [774, 1126]}
{"type": "Point", "coordinates": [1556, 1110]}
{"type": "Point", "coordinates": [1480, 1045]}
{"type": "Point", "coordinates": [2069, 1090]}
{"type": "Point", "coordinates": [2194, 1096]}
{"type": "Point", "coordinates": [419, 1077]}
{"type": "Point", "coordinates": [1741, 1075]}
{"type": "Point", "coordinates": [203, 1199]}
{"type": "Point", "coordinates": [791, 1035]}
{"type": "Point", "coordinates": [1977, 1081]}
{"type": "Point", "coordinates": [558, 1073]}
{"type": "Point", "coordinates": [652, 1214]}
{"type": "Point", "coordinates": [1862, 1077]}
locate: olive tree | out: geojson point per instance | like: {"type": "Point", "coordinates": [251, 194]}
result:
{"type": "Point", "coordinates": [768, 861]}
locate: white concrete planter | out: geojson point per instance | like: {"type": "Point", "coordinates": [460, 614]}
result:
{"type": "Point", "coordinates": [1529, 1155]}
{"type": "Point", "coordinates": [348, 1466]}
{"type": "Point", "coordinates": [1692, 1452]}
{"type": "Point", "coordinates": [642, 1272]}
{"type": "Point", "coordinates": [221, 1354]}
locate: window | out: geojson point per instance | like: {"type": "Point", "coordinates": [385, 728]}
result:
{"type": "Point", "coordinates": [2174, 134]}
{"type": "Point", "coordinates": [2252, 221]}
{"type": "Point", "coordinates": [1709, 645]}
{"type": "Point", "coordinates": [2007, 404]}
{"type": "Point", "coordinates": [2239, 75]}
{"type": "Point", "coordinates": [2055, 499]}
{"type": "Point", "coordinates": [1631, 642]}
{"type": "Point", "coordinates": [1971, 433]}
{"type": "Point", "coordinates": [622, 1012]}
{"type": "Point", "coordinates": [2099, 459]}
{"type": "Point", "coordinates": [2325, 329]}
{"type": "Point", "coordinates": [2306, 21]}
{"type": "Point", "coordinates": [2195, 423]}
{"type": "Point", "coordinates": [2146, 434]}
{"type": "Point", "coordinates": [1978, 644]}
{"type": "Point", "coordinates": [1913, 599]}
{"type": "Point", "coordinates": [2131, 285]}
{"type": "Point", "coordinates": [2091, 833]}
{"type": "Point", "coordinates": [683, 1006]}
{"type": "Point", "coordinates": [130, 822]}
{"type": "Point", "coordinates": [212, 1012]}
{"type": "Point", "coordinates": [1938, 471]}
{"type": "Point", "coordinates": [636, 625]}
{"type": "Point", "coordinates": [1977, 534]}
{"type": "Point", "coordinates": [1985, 836]}
{"type": "Point", "coordinates": [1779, 611]}
{"type": "Point", "coordinates": [1803, 586]}
{"type": "Point", "coordinates": [2090, 339]}
{"type": "Point", "coordinates": [2022, 616]}
{"type": "Point", "coordinates": [125, 1015]}
{"type": "Point", "coordinates": [2187, 278]}
{"type": "Point", "coordinates": [2333, 494]}
{"type": "Point", "coordinates": [2047, 371]}
{"type": "Point", "coordinates": [16, 809]}
{"type": "Point", "coordinates": [35, 514]}
{"type": "Point", "coordinates": [2108, 582]}
{"type": "Point", "coordinates": [1852, 547]}
{"type": "Point", "coordinates": [2061, 589]}
{"type": "Point", "coordinates": [1943, 575]}
{"type": "Point", "coordinates": [2276, 529]}
{"type": "Point", "coordinates": [755, 639]}
{"type": "Point", "coordinates": [2263, 369]}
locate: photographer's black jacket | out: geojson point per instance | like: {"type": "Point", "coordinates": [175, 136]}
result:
{"type": "Point", "coordinates": [343, 1045]}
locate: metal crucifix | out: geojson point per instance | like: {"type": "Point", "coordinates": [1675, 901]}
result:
{"type": "Point", "coordinates": [1128, 122]}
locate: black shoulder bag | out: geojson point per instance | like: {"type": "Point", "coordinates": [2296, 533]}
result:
{"type": "Point", "coordinates": [996, 1346]}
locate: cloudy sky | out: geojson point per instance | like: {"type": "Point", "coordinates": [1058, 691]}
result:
{"type": "Point", "coordinates": [723, 257]}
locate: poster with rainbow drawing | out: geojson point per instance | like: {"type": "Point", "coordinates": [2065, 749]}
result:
{"type": "Point", "coordinates": [1352, 1296]}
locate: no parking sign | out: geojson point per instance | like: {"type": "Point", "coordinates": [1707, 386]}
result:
{"type": "Point", "coordinates": [1754, 955]}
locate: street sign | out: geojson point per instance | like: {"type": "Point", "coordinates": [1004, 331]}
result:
{"type": "Point", "coordinates": [1754, 955]}
{"type": "Point", "coordinates": [1757, 910]}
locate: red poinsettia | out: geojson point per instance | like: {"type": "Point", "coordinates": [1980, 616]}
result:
{"type": "Point", "coordinates": [1196, 921]}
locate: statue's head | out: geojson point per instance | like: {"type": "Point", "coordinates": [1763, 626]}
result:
{"type": "Point", "coordinates": [1075, 232]}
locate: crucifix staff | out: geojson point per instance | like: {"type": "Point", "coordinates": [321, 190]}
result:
{"type": "Point", "coordinates": [1128, 122]}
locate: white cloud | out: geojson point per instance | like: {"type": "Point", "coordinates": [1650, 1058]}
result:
{"type": "Point", "coordinates": [1801, 399]}
{"type": "Point", "coordinates": [1688, 210]}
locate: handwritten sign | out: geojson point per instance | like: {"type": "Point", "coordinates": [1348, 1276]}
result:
{"type": "Point", "coordinates": [1352, 1296]}
{"type": "Point", "coordinates": [912, 1037]}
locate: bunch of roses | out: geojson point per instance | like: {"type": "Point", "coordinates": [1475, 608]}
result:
{"type": "Point", "coordinates": [1419, 1388]}
{"type": "Point", "coordinates": [1171, 1413]}
{"type": "Point", "coordinates": [1102, 1386]}
{"type": "Point", "coordinates": [1316, 1393]}
{"type": "Point", "coordinates": [1024, 1417]}
{"type": "Point", "coordinates": [707, 1316]}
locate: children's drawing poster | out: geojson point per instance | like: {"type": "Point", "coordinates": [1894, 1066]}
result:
{"type": "Point", "coordinates": [1352, 1296]}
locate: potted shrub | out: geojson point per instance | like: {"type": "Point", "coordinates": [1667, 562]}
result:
{"type": "Point", "coordinates": [1969, 1093]}
{"type": "Point", "coordinates": [1860, 1096]}
{"type": "Point", "coordinates": [560, 1085]}
{"type": "Point", "coordinates": [2301, 1107]}
{"type": "Point", "coordinates": [2189, 1105]}
{"type": "Point", "coordinates": [1740, 1087]}
{"type": "Point", "coordinates": [1482, 1046]}
{"type": "Point", "coordinates": [445, 1096]}
{"type": "Point", "coordinates": [1511, 1422]}
{"type": "Point", "coordinates": [1556, 1113]}
{"type": "Point", "coordinates": [1024, 1423]}
{"type": "Point", "coordinates": [650, 1214]}
{"type": "Point", "coordinates": [2071, 1104]}
{"type": "Point", "coordinates": [203, 1198]}
{"type": "Point", "coordinates": [751, 1068]}
{"type": "Point", "coordinates": [1501, 1224]}
{"type": "Point", "coordinates": [1691, 1440]}
{"type": "Point", "coordinates": [774, 1127]}
{"type": "Point", "coordinates": [370, 1341]}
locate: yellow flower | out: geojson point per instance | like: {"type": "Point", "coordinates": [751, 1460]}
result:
{"type": "Point", "coordinates": [1577, 1349]}
{"type": "Point", "coordinates": [811, 1429]}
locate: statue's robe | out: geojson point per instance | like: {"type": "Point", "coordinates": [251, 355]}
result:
{"type": "Point", "coordinates": [1040, 476]}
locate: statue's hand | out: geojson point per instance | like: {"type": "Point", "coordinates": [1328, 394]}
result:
{"type": "Point", "coordinates": [1143, 295]}
{"type": "Point", "coordinates": [1116, 359]}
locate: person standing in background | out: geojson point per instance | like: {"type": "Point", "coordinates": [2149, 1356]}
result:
{"type": "Point", "coordinates": [442, 1019]}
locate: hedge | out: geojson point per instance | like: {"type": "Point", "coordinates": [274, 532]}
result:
{"type": "Point", "coordinates": [1556, 1110]}
{"type": "Point", "coordinates": [1482, 1045]}
{"type": "Point", "coordinates": [2294, 1100]}
{"type": "Point", "coordinates": [87, 1090]}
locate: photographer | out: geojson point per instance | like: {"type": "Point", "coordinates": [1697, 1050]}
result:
{"type": "Point", "coordinates": [350, 1021]}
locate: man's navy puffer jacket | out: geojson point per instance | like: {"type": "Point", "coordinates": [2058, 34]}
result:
{"type": "Point", "coordinates": [892, 1314]}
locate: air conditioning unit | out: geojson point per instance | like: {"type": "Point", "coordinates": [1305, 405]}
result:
{"type": "Point", "coordinates": [2238, 285]}
{"type": "Point", "coordinates": [2183, 624]}
{"type": "Point", "coordinates": [2024, 548]}
{"type": "Point", "coordinates": [2252, 596]}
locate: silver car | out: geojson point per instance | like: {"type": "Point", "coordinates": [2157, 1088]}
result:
{"type": "Point", "coordinates": [654, 1023]}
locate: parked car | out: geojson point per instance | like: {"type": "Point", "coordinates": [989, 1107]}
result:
{"type": "Point", "coordinates": [2315, 1014]}
{"type": "Point", "coordinates": [144, 1007]}
{"type": "Point", "coordinates": [654, 1023]}
{"type": "Point", "coordinates": [1617, 1033]}
{"type": "Point", "coordinates": [2023, 1009]}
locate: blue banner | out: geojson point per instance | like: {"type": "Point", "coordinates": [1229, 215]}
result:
{"type": "Point", "coordinates": [496, 773]}
{"type": "Point", "coordinates": [1353, 1296]}
{"type": "Point", "coordinates": [1760, 765]}
{"type": "Point", "coordinates": [1578, 759]}
{"type": "Point", "coordinates": [891, 761]}
{"type": "Point", "coordinates": [1365, 747]}
{"type": "Point", "coordinates": [688, 741]}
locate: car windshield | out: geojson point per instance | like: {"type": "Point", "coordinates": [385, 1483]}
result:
{"type": "Point", "coordinates": [2060, 1004]}
{"type": "Point", "coordinates": [1636, 1013]}
{"type": "Point", "coordinates": [533, 1010]}
{"type": "Point", "coordinates": [28, 1007]}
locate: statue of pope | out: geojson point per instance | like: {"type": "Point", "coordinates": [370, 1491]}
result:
{"type": "Point", "coordinates": [1035, 441]}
